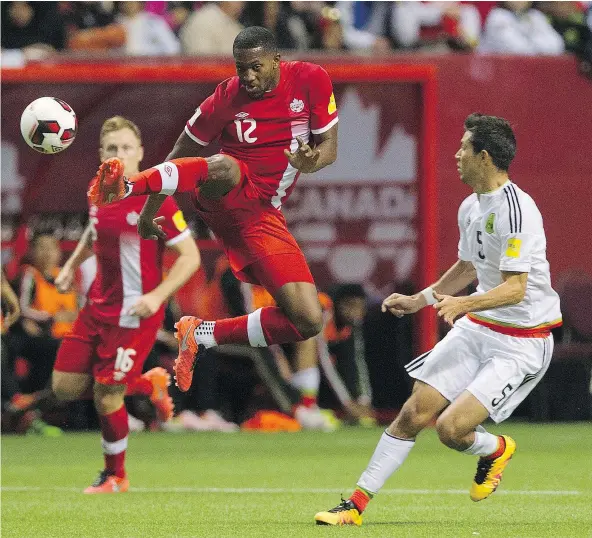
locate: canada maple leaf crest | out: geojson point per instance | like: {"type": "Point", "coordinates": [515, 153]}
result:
{"type": "Point", "coordinates": [297, 105]}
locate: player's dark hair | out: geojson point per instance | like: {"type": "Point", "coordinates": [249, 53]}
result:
{"type": "Point", "coordinates": [493, 135]}
{"type": "Point", "coordinates": [255, 37]}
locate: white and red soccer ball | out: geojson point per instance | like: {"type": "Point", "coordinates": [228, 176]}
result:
{"type": "Point", "coordinates": [49, 125]}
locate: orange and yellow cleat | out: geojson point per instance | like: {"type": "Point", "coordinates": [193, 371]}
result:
{"type": "Point", "coordinates": [108, 483]}
{"type": "Point", "coordinates": [109, 184]}
{"type": "Point", "coordinates": [188, 349]}
{"type": "Point", "coordinates": [345, 513]}
{"type": "Point", "coordinates": [489, 472]}
{"type": "Point", "coordinates": [160, 398]}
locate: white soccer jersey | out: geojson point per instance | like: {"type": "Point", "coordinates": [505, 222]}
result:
{"type": "Point", "coordinates": [503, 231]}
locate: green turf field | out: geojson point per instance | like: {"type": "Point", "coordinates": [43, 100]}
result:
{"type": "Point", "coordinates": [242, 485]}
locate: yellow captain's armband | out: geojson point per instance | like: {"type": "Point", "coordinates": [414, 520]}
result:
{"type": "Point", "coordinates": [179, 221]}
{"type": "Point", "coordinates": [513, 250]}
{"type": "Point", "coordinates": [332, 105]}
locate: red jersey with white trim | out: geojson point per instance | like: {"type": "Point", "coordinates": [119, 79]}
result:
{"type": "Point", "coordinates": [257, 131]}
{"type": "Point", "coordinates": [127, 265]}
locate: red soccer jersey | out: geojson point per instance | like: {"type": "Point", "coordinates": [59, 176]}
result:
{"type": "Point", "coordinates": [257, 131]}
{"type": "Point", "coordinates": [127, 265]}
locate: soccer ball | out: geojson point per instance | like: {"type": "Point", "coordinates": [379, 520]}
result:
{"type": "Point", "coordinates": [49, 125]}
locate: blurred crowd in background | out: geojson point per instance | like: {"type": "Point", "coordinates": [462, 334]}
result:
{"type": "Point", "coordinates": [35, 30]}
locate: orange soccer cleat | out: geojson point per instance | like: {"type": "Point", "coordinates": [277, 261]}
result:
{"type": "Point", "coordinates": [108, 483]}
{"type": "Point", "coordinates": [160, 398]}
{"type": "Point", "coordinates": [188, 350]}
{"type": "Point", "coordinates": [109, 184]}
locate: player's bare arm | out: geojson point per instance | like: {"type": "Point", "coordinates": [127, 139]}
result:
{"type": "Point", "coordinates": [82, 252]}
{"type": "Point", "coordinates": [309, 159]}
{"type": "Point", "coordinates": [185, 147]}
{"type": "Point", "coordinates": [457, 278]}
{"type": "Point", "coordinates": [511, 291]}
{"type": "Point", "coordinates": [187, 262]}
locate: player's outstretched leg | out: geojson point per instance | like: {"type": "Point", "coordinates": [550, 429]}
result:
{"type": "Point", "coordinates": [490, 469]}
{"type": "Point", "coordinates": [265, 326]}
{"type": "Point", "coordinates": [298, 316]}
{"type": "Point", "coordinates": [395, 444]}
{"type": "Point", "coordinates": [178, 175]}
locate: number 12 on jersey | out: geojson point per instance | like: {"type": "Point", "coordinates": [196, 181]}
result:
{"type": "Point", "coordinates": [245, 135]}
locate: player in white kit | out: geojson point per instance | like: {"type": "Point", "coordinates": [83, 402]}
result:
{"type": "Point", "coordinates": [500, 347]}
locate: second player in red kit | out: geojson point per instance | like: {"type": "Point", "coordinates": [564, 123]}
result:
{"type": "Point", "coordinates": [106, 349]}
{"type": "Point", "coordinates": [274, 120]}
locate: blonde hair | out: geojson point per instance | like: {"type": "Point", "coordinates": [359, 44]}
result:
{"type": "Point", "coordinates": [116, 123]}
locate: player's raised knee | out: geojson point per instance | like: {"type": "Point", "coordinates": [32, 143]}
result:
{"type": "Point", "coordinates": [220, 166]}
{"type": "Point", "coordinates": [223, 175]}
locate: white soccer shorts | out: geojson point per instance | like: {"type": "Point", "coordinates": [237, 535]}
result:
{"type": "Point", "coordinates": [499, 370]}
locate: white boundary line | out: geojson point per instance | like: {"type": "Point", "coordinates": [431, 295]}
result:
{"type": "Point", "coordinates": [298, 490]}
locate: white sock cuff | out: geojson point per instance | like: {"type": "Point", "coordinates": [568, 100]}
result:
{"type": "Point", "coordinates": [204, 334]}
{"type": "Point", "coordinates": [114, 447]}
{"type": "Point", "coordinates": [308, 379]}
{"type": "Point", "coordinates": [255, 329]}
{"type": "Point", "coordinates": [169, 175]}
{"type": "Point", "coordinates": [396, 441]}
{"type": "Point", "coordinates": [485, 444]}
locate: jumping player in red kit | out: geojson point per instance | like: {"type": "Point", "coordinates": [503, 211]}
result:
{"type": "Point", "coordinates": [266, 118]}
{"type": "Point", "coordinates": [117, 328]}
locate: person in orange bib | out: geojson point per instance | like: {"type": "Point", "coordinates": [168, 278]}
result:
{"type": "Point", "coordinates": [47, 314]}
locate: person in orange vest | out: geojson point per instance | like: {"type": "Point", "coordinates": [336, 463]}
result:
{"type": "Point", "coordinates": [47, 315]}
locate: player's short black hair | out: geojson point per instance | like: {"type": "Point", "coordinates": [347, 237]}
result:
{"type": "Point", "coordinates": [254, 37]}
{"type": "Point", "coordinates": [493, 135]}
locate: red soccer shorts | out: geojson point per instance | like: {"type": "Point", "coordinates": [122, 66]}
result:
{"type": "Point", "coordinates": [111, 354]}
{"type": "Point", "coordinates": [255, 237]}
